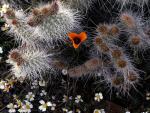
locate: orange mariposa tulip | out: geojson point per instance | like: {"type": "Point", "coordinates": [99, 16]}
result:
{"type": "Point", "coordinates": [77, 39]}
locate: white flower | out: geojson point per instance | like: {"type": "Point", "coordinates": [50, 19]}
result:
{"type": "Point", "coordinates": [127, 111]}
{"type": "Point", "coordinates": [65, 110]}
{"type": "Point", "coordinates": [30, 96]}
{"type": "Point", "coordinates": [5, 27]}
{"type": "Point", "coordinates": [43, 93]}
{"type": "Point", "coordinates": [1, 50]}
{"type": "Point", "coordinates": [12, 108]}
{"type": "Point", "coordinates": [22, 109]}
{"type": "Point", "coordinates": [98, 97]}
{"type": "Point", "coordinates": [2, 84]}
{"type": "Point", "coordinates": [78, 111]}
{"type": "Point", "coordinates": [99, 111]}
{"type": "Point", "coordinates": [42, 83]}
{"type": "Point", "coordinates": [4, 9]}
{"type": "Point", "coordinates": [78, 99]}
{"type": "Point", "coordinates": [26, 108]}
{"type": "Point", "coordinates": [29, 106]}
{"type": "Point", "coordinates": [44, 105]}
{"type": "Point", "coordinates": [53, 107]}
{"type": "Point", "coordinates": [64, 72]}
{"type": "Point", "coordinates": [65, 98]}
{"type": "Point", "coordinates": [148, 94]}
{"type": "Point", "coordinates": [70, 98]}
{"type": "Point", "coordinates": [53, 97]}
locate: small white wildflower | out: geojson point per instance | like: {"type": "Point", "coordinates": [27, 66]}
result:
{"type": "Point", "coordinates": [102, 111]}
{"type": "Point", "coordinates": [65, 98]}
{"type": "Point", "coordinates": [22, 109]}
{"type": "Point", "coordinates": [65, 110]}
{"type": "Point", "coordinates": [30, 96]}
{"type": "Point", "coordinates": [1, 50]}
{"type": "Point", "coordinates": [70, 98]}
{"type": "Point", "coordinates": [53, 97]}
{"type": "Point", "coordinates": [147, 94]}
{"type": "Point", "coordinates": [99, 111]}
{"type": "Point", "coordinates": [147, 98]}
{"type": "Point", "coordinates": [98, 97]}
{"type": "Point", "coordinates": [78, 111]}
{"type": "Point", "coordinates": [42, 83]}
{"type": "Point", "coordinates": [127, 112]}
{"type": "Point", "coordinates": [5, 27]}
{"type": "Point", "coordinates": [53, 107]}
{"type": "Point", "coordinates": [27, 107]}
{"type": "Point", "coordinates": [4, 9]}
{"type": "Point", "coordinates": [43, 93]}
{"type": "Point", "coordinates": [19, 103]}
{"type": "Point", "coordinates": [78, 99]}
{"type": "Point", "coordinates": [44, 105]}
{"type": "Point", "coordinates": [70, 112]}
{"type": "Point", "coordinates": [64, 72]}
{"type": "Point", "coordinates": [12, 108]}
{"type": "Point", "coordinates": [2, 84]}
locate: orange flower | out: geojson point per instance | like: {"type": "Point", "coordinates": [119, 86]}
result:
{"type": "Point", "coordinates": [77, 39]}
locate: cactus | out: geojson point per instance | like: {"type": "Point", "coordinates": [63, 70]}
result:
{"type": "Point", "coordinates": [43, 18]}
{"type": "Point", "coordinates": [29, 63]}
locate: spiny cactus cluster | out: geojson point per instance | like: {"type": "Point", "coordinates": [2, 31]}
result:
{"type": "Point", "coordinates": [43, 33]}
{"type": "Point", "coordinates": [37, 33]}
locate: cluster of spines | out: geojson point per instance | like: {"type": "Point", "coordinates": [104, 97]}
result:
{"type": "Point", "coordinates": [19, 27]}
{"type": "Point", "coordinates": [52, 22]}
{"type": "Point", "coordinates": [121, 77]}
{"type": "Point", "coordinates": [29, 63]}
{"type": "Point", "coordinates": [39, 14]}
{"type": "Point", "coordinates": [133, 25]}
{"type": "Point", "coordinates": [89, 67]}
{"type": "Point", "coordinates": [48, 23]}
{"type": "Point", "coordinates": [37, 31]}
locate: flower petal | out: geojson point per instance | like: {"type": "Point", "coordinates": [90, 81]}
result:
{"type": "Point", "coordinates": [83, 36]}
